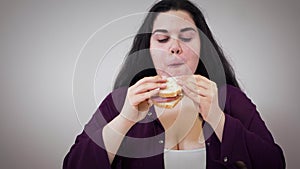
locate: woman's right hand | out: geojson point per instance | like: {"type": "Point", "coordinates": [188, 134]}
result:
{"type": "Point", "coordinates": [137, 102]}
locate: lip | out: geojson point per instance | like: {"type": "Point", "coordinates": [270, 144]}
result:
{"type": "Point", "coordinates": [175, 64]}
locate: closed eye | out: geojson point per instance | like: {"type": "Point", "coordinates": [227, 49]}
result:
{"type": "Point", "coordinates": [163, 40]}
{"type": "Point", "coordinates": [185, 39]}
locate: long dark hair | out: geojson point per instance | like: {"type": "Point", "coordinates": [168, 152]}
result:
{"type": "Point", "coordinates": [138, 62]}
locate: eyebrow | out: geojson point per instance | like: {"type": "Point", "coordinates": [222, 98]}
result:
{"type": "Point", "coordinates": [187, 29]}
{"type": "Point", "coordinates": [160, 30]}
{"type": "Point", "coordinates": [182, 30]}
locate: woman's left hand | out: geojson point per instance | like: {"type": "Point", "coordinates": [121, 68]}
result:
{"type": "Point", "coordinates": [204, 93]}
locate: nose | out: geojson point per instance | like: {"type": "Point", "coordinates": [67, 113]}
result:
{"type": "Point", "coordinates": [175, 47]}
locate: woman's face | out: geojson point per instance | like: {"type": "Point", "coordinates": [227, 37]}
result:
{"type": "Point", "coordinates": [175, 44]}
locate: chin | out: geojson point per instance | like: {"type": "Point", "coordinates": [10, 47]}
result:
{"type": "Point", "coordinates": [180, 73]}
{"type": "Point", "coordinates": [172, 71]}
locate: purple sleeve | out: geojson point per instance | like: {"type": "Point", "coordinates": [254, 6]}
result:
{"type": "Point", "coordinates": [85, 153]}
{"type": "Point", "coordinates": [246, 139]}
{"type": "Point", "coordinates": [89, 151]}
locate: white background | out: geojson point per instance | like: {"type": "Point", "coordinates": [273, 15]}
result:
{"type": "Point", "coordinates": [40, 41]}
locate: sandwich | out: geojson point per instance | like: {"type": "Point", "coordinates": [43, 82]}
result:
{"type": "Point", "coordinates": [170, 96]}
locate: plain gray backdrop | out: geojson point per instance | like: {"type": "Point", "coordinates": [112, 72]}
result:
{"type": "Point", "coordinates": [40, 42]}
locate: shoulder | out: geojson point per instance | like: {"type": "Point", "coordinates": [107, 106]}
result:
{"type": "Point", "coordinates": [231, 94]}
{"type": "Point", "coordinates": [230, 90]}
{"type": "Point", "coordinates": [236, 103]}
{"type": "Point", "coordinates": [237, 96]}
{"type": "Point", "coordinates": [111, 106]}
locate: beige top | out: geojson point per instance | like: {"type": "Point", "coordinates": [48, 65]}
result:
{"type": "Point", "coordinates": [183, 159]}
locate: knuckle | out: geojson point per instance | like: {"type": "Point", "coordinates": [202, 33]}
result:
{"type": "Point", "coordinates": [144, 79]}
{"type": "Point", "coordinates": [195, 95]}
{"type": "Point", "coordinates": [149, 94]}
{"type": "Point", "coordinates": [146, 85]}
{"type": "Point", "coordinates": [130, 89]}
{"type": "Point", "coordinates": [213, 84]}
{"type": "Point", "coordinates": [159, 84]}
{"type": "Point", "coordinates": [144, 95]}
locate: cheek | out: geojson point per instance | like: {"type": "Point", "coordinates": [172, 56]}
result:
{"type": "Point", "coordinates": [193, 63]}
{"type": "Point", "coordinates": [192, 57]}
{"type": "Point", "coordinates": [157, 53]}
{"type": "Point", "coordinates": [157, 57]}
{"type": "Point", "coordinates": [158, 61]}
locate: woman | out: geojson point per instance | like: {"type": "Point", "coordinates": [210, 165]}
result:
{"type": "Point", "coordinates": [215, 126]}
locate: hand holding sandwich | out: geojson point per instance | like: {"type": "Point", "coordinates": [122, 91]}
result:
{"type": "Point", "coordinates": [138, 96]}
{"type": "Point", "coordinates": [204, 93]}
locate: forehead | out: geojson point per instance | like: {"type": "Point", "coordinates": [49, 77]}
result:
{"type": "Point", "coordinates": [173, 20]}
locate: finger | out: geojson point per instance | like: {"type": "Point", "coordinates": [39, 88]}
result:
{"type": "Point", "coordinates": [138, 98]}
{"type": "Point", "coordinates": [143, 106]}
{"type": "Point", "coordinates": [192, 95]}
{"type": "Point", "coordinates": [195, 79]}
{"type": "Point", "coordinates": [196, 89]}
{"type": "Point", "coordinates": [148, 87]}
{"type": "Point", "coordinates": [150, 102]}
{"type": "Point", "coordinates": [153, 79]}
{"type": "Point", "coordinates": [148, 95]}
{"type": "Point", "coordinates": [201, 81]}
{"type": "Point", "coordinates": [202, 78]}
{"type": "Point", "coordinates": [200, 84]}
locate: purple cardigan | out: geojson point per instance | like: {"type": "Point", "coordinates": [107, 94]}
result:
{"type": "Point", "coordinates": [247, 143]}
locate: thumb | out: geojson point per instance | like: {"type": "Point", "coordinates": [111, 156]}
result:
{"type": "Point", "coordinates": [143, 106]}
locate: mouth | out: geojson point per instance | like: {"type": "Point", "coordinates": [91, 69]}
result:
{"type": "Point", "coordinates": [175, 64]}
